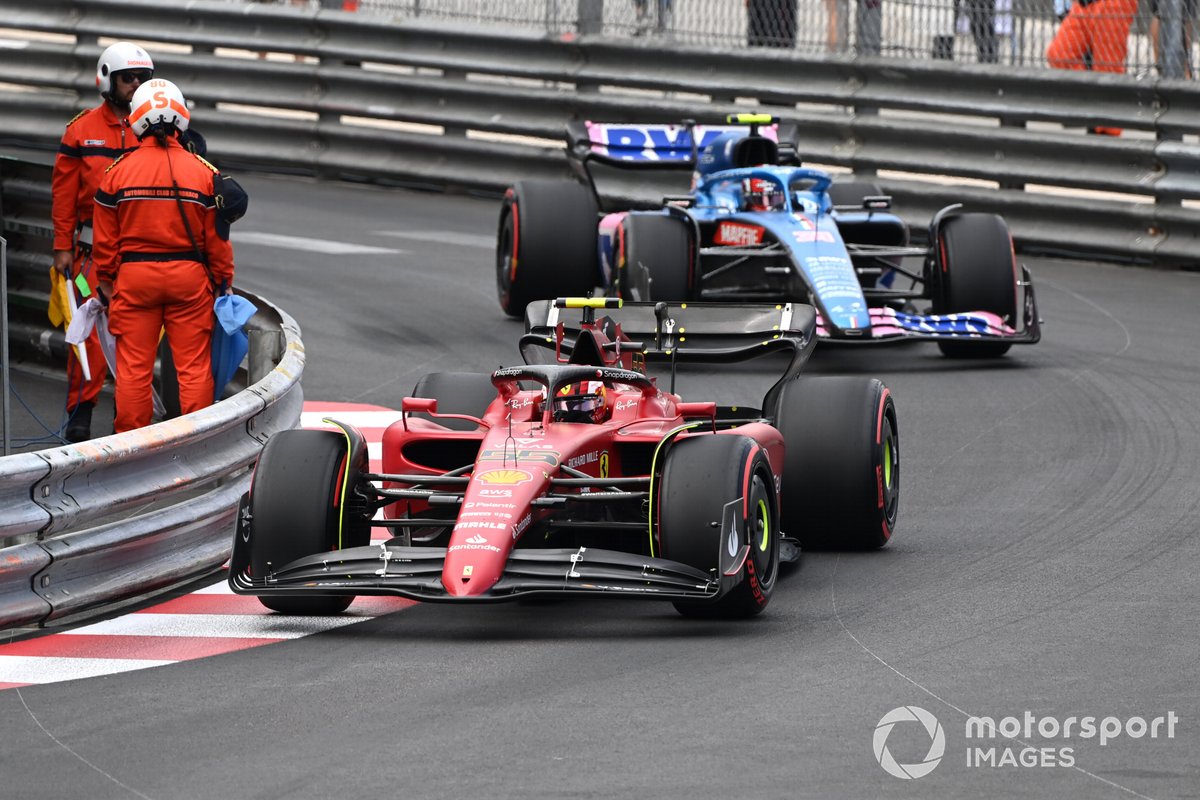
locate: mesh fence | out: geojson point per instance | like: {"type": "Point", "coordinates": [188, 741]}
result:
{"type": "Point", "coordinates": [1103, 35]}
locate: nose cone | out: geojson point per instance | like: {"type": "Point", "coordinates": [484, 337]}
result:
{"type": "Point", "coordinates": [473, 563]}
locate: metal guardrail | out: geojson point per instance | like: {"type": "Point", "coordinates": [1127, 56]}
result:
{"type": "Point", "coordinates": [84, 525]}
{"type": "Point", "coordinates": [478, 109]}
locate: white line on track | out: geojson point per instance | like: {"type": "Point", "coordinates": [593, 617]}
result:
{"type": "Point", "coordinates": [308, 245]}
{"type": "Point", "coordinates": [443, 237]}
{"type": "Point", "coordinates": [359, 419]}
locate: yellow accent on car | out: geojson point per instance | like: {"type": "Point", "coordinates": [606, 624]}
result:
{"type": "Point", "coordinates": [653, 462]}
{"type": "Point", "coordinates": [764, 517]}
{"type": "Point", "coordinates": [345, 476]}
{"type": "Point", "coordinates": [750, 119]}
{"type": "Point", "coordinates": [592, 302]}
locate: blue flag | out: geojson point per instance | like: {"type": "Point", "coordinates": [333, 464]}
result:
{"type": "Point", "coordinates": [229, 343]}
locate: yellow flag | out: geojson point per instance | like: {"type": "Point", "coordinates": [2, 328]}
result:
{"type": "Point", "coordinates": [60, 307]}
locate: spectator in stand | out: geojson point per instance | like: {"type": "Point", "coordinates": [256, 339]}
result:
{"type": "Point", "coordinates": [980, 17]}
{"type": "Point", "coordinates": [645, 17]}
{"type": "Point", "coordinates": [835, 20]}
{"type": "Point", "coordinates": [1186, 32]}
{"type": "Point", "coordinates": [771, 23]}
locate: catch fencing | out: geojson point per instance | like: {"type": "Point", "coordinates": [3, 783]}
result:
{"type": "Point", "coordinates": [990, 31]}
{"type": "Point", "coordinates": [342, 94]}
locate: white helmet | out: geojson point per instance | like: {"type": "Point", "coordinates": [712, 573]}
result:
{"type": "Point", "coordinates": [118, 57]}
{"type": "Point", "coordinates": [158, 101]}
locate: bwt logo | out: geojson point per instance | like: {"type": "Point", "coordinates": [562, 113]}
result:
{"type": "Point", "coordinates": [933, 728]}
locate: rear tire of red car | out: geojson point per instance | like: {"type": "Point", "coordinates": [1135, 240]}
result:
{"type": "Point", "coordinates": [701, 476]}
{"type": "Point", "coordinates": [657, 262]}
{"type": "Point", "coordinates": [294, 504]}
{"type": "Point", "coordinates": [547, 244]}
{"type": "Point", "coordinates": [978, 274]}
{"type": "Point", "coordinates": [457, 393]}
{"type": "Point", "coordinates": [841, 473]}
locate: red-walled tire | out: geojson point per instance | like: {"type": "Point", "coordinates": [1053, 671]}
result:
{"type": "Point", "coordinates": [547, 244]}
{"type": "Point", "coordinates": [701, 476]}
{"type": "Point", "coordinates": [978, 274]}
{"type": "Point", "coordinates": [295, 513]}
{"type": "Point", "coordinates": [841, 474]}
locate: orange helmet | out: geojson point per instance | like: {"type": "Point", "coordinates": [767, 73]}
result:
{"type": "Point", "coordinates": [762, 194]}
{"type": "Point", "coordinates": [580, 402]}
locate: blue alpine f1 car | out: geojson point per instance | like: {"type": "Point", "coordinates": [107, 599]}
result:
{"type": "Point", "coordinates": [759, 227]}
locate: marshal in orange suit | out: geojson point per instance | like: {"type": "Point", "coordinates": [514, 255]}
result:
{"type": "Point", "coordinates": [159, 256]}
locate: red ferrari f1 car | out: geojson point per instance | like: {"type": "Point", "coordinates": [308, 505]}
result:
{"type": "Point", "coordinates": [577, 473]}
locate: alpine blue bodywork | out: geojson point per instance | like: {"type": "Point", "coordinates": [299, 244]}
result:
{"type": "Point", "coordinates": [846, 260]}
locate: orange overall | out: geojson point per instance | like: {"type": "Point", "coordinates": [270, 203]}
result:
{"type": "Point", "coordinates": [160, 280]}
{"type": "Point", "coordinates": [91, 143]}
{"type": "Point", "coordinates": [1099, 29]}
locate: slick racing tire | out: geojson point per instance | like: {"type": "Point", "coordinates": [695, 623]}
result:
{"type": "Point", "coordinates": [841, 472]}
{"type": "Point", "coordinates": [295, 507]}
{"type": "Point", "coordinates": [978, 274]}
{"type": "Point", "coordinates": [547, 244]}
{"type": "Point", "coordinates": [457, 393]}
{"type": "Point", "coordinates": [657, 259]}
{"type": "Point", "coordinates": [701, 476]}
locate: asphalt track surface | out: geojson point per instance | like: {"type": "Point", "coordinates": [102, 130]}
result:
{"type": "Point", "coordinates": [1045, 561]}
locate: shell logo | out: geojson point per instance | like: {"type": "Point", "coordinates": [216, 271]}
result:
{"type": "Point", "coordinates": [504, 476]}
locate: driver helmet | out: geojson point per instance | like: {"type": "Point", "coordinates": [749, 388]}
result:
{"type": "Point", "coordinates": [580, 402]}
{"type": "Point", "coordinates": [158, 102]}
{"type": "Point", "coordinates": [122, 57]}
{"type": "Point", "coordinates": [762, 194]}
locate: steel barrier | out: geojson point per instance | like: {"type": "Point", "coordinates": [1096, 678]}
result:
{"type": "Point", "coordinates": [413, 102]}
{"type": "Point", "coordinates": [85, 525]}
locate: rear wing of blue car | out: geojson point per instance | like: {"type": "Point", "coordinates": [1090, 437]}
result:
{"type": "Point", "coordinates": [638, 163]}
{"type": "Point", "coordinates": [646, 145]}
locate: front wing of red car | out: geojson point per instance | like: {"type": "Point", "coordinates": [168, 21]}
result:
{"type": "Point", "coordinates": [416, 573]}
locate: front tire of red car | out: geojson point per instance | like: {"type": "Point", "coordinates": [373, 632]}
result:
{"type": "Point", "coordinates": [295, 508]}
{"type": "Point", "coordinates": [701, 476]}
